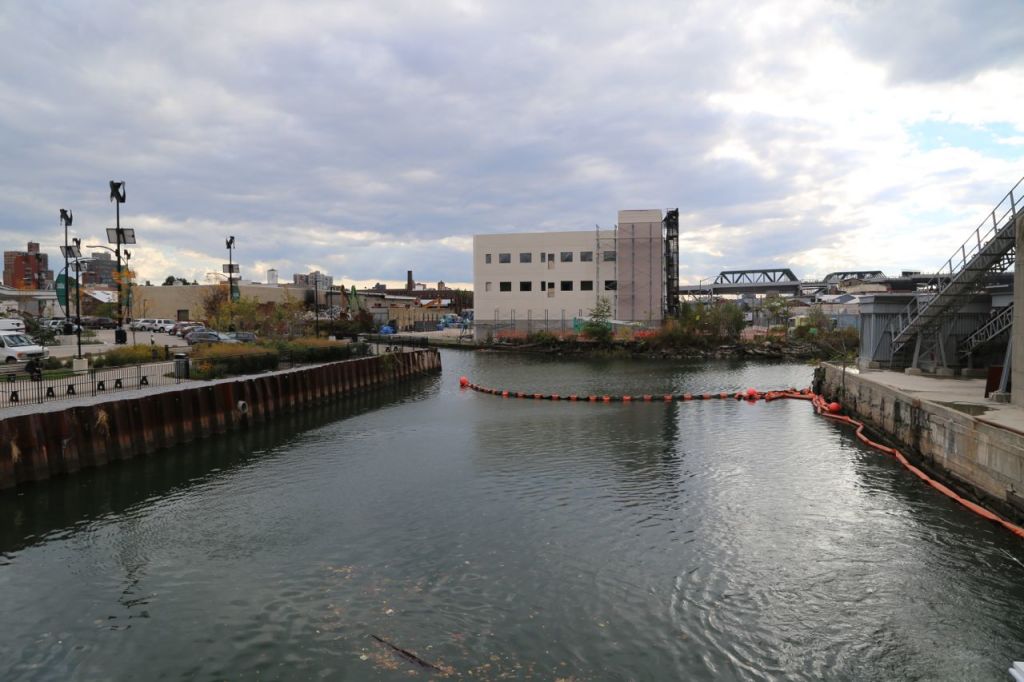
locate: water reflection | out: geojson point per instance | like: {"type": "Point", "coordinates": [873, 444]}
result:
{"type": "Point", "coordinates": [52, 509]}
{"type": "Point", "coordinates": [513, 538]}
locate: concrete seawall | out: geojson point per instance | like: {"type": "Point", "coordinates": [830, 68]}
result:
{"type": "Point", "coordinates": [61, 439]}
{"type": "Point", "coordinates": [946, 425]}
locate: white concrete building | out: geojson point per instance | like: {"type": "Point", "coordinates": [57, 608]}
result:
{"type": "Point", "coordinates": [533, 281]}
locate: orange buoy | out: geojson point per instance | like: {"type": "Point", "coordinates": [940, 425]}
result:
{"type": "Point", "coordinates": [626, 398]}
{"type": "Point", "coordinates": [752, 393]}
{"type": "Point", "coordinates": [463, 382]}
{"type": "Point", "coordinates": [668, 397]}
{"type": "Point", "coordinates": [607, 398]}
{"type": "Point", "coordinates": [834, 407]}
{"type": "Point", "coordinates": [504, 394]}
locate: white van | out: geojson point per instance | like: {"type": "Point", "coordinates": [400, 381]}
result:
{"type": "Point", "coordinates": [12, 324]}
{"type": "Point", "coordinates": [16, 347]}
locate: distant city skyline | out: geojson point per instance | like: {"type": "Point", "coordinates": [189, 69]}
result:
{"type": "Point", "coordinates": [365, 139]}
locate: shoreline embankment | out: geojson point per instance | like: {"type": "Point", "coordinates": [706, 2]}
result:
{"type": "Point", "coordinates": [945, 426]}
{"type": "Point", "coordinates": [61, 438]}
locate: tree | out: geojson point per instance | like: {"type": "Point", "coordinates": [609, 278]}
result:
{"type": "Point", "coordinates": [776, 305]}
{"type": "Point", "coordinates": [599, 326]}
{"type": "Point", "coordinates": [169, 281]}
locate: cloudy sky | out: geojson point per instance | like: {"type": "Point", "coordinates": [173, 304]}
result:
{"type": "Point", "coordinates": [367, 138]}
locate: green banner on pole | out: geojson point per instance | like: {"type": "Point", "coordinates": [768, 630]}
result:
{"type": "Point", "coordinates": [62, 290]}
{"type": "Point", "coordinates": [235, 294]}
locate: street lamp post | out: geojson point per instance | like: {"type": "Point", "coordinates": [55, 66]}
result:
{"type": "Point", "coordinates": [128, 295]}
{"type": "Point", "coordinates": [230, 244]}
{"type": "Point", "coordinates": [66, 219]}
{"type": "Point", "coordinates": [78, 294]}
{"type": "Point", "coordinates": [117, 195]}
{"type": "Point", "coordinates": [76, 253]}
{"type": "Point", "coordinates": [316, 304]}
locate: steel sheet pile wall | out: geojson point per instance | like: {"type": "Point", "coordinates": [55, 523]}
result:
{"type": "Point", "coordinates": [49, 443]}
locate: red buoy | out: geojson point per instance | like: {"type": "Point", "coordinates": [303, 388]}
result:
{"type": "Point", "coordinates": [751, 392]}
{"type": "Point", "coordinates": [463, 382]}
{"type": "Point", "coordinates": [834, 407]}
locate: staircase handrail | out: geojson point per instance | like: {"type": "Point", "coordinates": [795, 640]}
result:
{"type": "Point", "coordinates": [986, 231]}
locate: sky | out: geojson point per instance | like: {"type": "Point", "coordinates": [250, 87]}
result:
{"type": "Point", "coordinates": [364, 139]}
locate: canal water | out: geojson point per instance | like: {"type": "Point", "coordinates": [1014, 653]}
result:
{"type": "Point", "coordinates": [511, 539]}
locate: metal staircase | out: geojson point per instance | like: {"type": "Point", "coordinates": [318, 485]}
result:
{"type": "Point", "coordinates": [989, 249]}
{"type": "Point", "coordinates": [998, 325]}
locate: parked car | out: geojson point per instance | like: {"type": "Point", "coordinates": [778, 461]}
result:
{"type": "Point", "coordinates": [142, 324]}
{"type": "Point", "coordinates": [16, 347]}
{"type": "Point", "coordinates": [208, 336]}
{"type": "Point", "coordinates": [99, 323]}
{"type": "Point", "coordinates": [58, 326]}
{"type": "Point", "coordinates": [12, 324]}
{"type": "Point", "coordinates": [163, 325]}
{"type": "Point", "coordinates": [190, 327]}
{"type": "Point", "coordinates": [188, 330]}
{"type": "Point", "coordinates": [242, 337]}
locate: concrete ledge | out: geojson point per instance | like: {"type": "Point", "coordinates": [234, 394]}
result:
{"type": "Point", "coordinates": [946, 424]}
{"type": "Point", "coordinates": [62, 438]}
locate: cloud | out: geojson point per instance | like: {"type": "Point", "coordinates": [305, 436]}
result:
{"type": "Point", "coordinates": [369, 139]}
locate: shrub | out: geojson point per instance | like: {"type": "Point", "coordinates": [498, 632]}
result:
{"type": "Point", "coordinates": [544, 338]}
{"type": "Point", "coordinates": [214, 361]}
{"type": "Point", "coordinates": [322, 350]}
{"type": "Point", "coordinates": [129, 355]}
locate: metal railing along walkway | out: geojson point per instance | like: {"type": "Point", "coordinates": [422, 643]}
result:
{"type": "Point", "coordinates": [990, 248]}
{"type": "Point", "coordinates": [19, 389]}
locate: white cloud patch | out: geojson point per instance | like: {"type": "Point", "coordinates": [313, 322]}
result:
{"type": "Point", "coordinates": [371, 139]}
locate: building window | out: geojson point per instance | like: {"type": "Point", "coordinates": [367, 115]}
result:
{"type": "Point", "coordinates": [526, 257]}
{"type": "Point", "coordinates": [610, 285]}
{"type": "Point", "coordinates": [608, 256]}
{"type": "Point", "coordinates": [487, 286]}
{"type": "Point", "coordinates": [543, 285]}
{"type": "Point", "coordinates": [526, 286]}
{"type": "Point", "coordinates": [551, 286]}
{"type": "Point", "coordinates": [586, 256]}
{"type": "Point", "coordinates": [487, 258]}
{"type": "Point", "coordinates": [566, 285]}
{"type": "Point", "coordinates": [567, 256]}
{"type": "Point", "coordinates": [504, 286]}
{"type": "Point", "coordinates": [504, 257]}
{"type": "Point", "coordinates": [587, 285]}
{"type": "Point", "coordinates": [543, 257]}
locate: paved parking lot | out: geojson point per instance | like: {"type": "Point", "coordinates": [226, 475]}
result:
{"type": "Point", "coordinates": [67, 344]}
